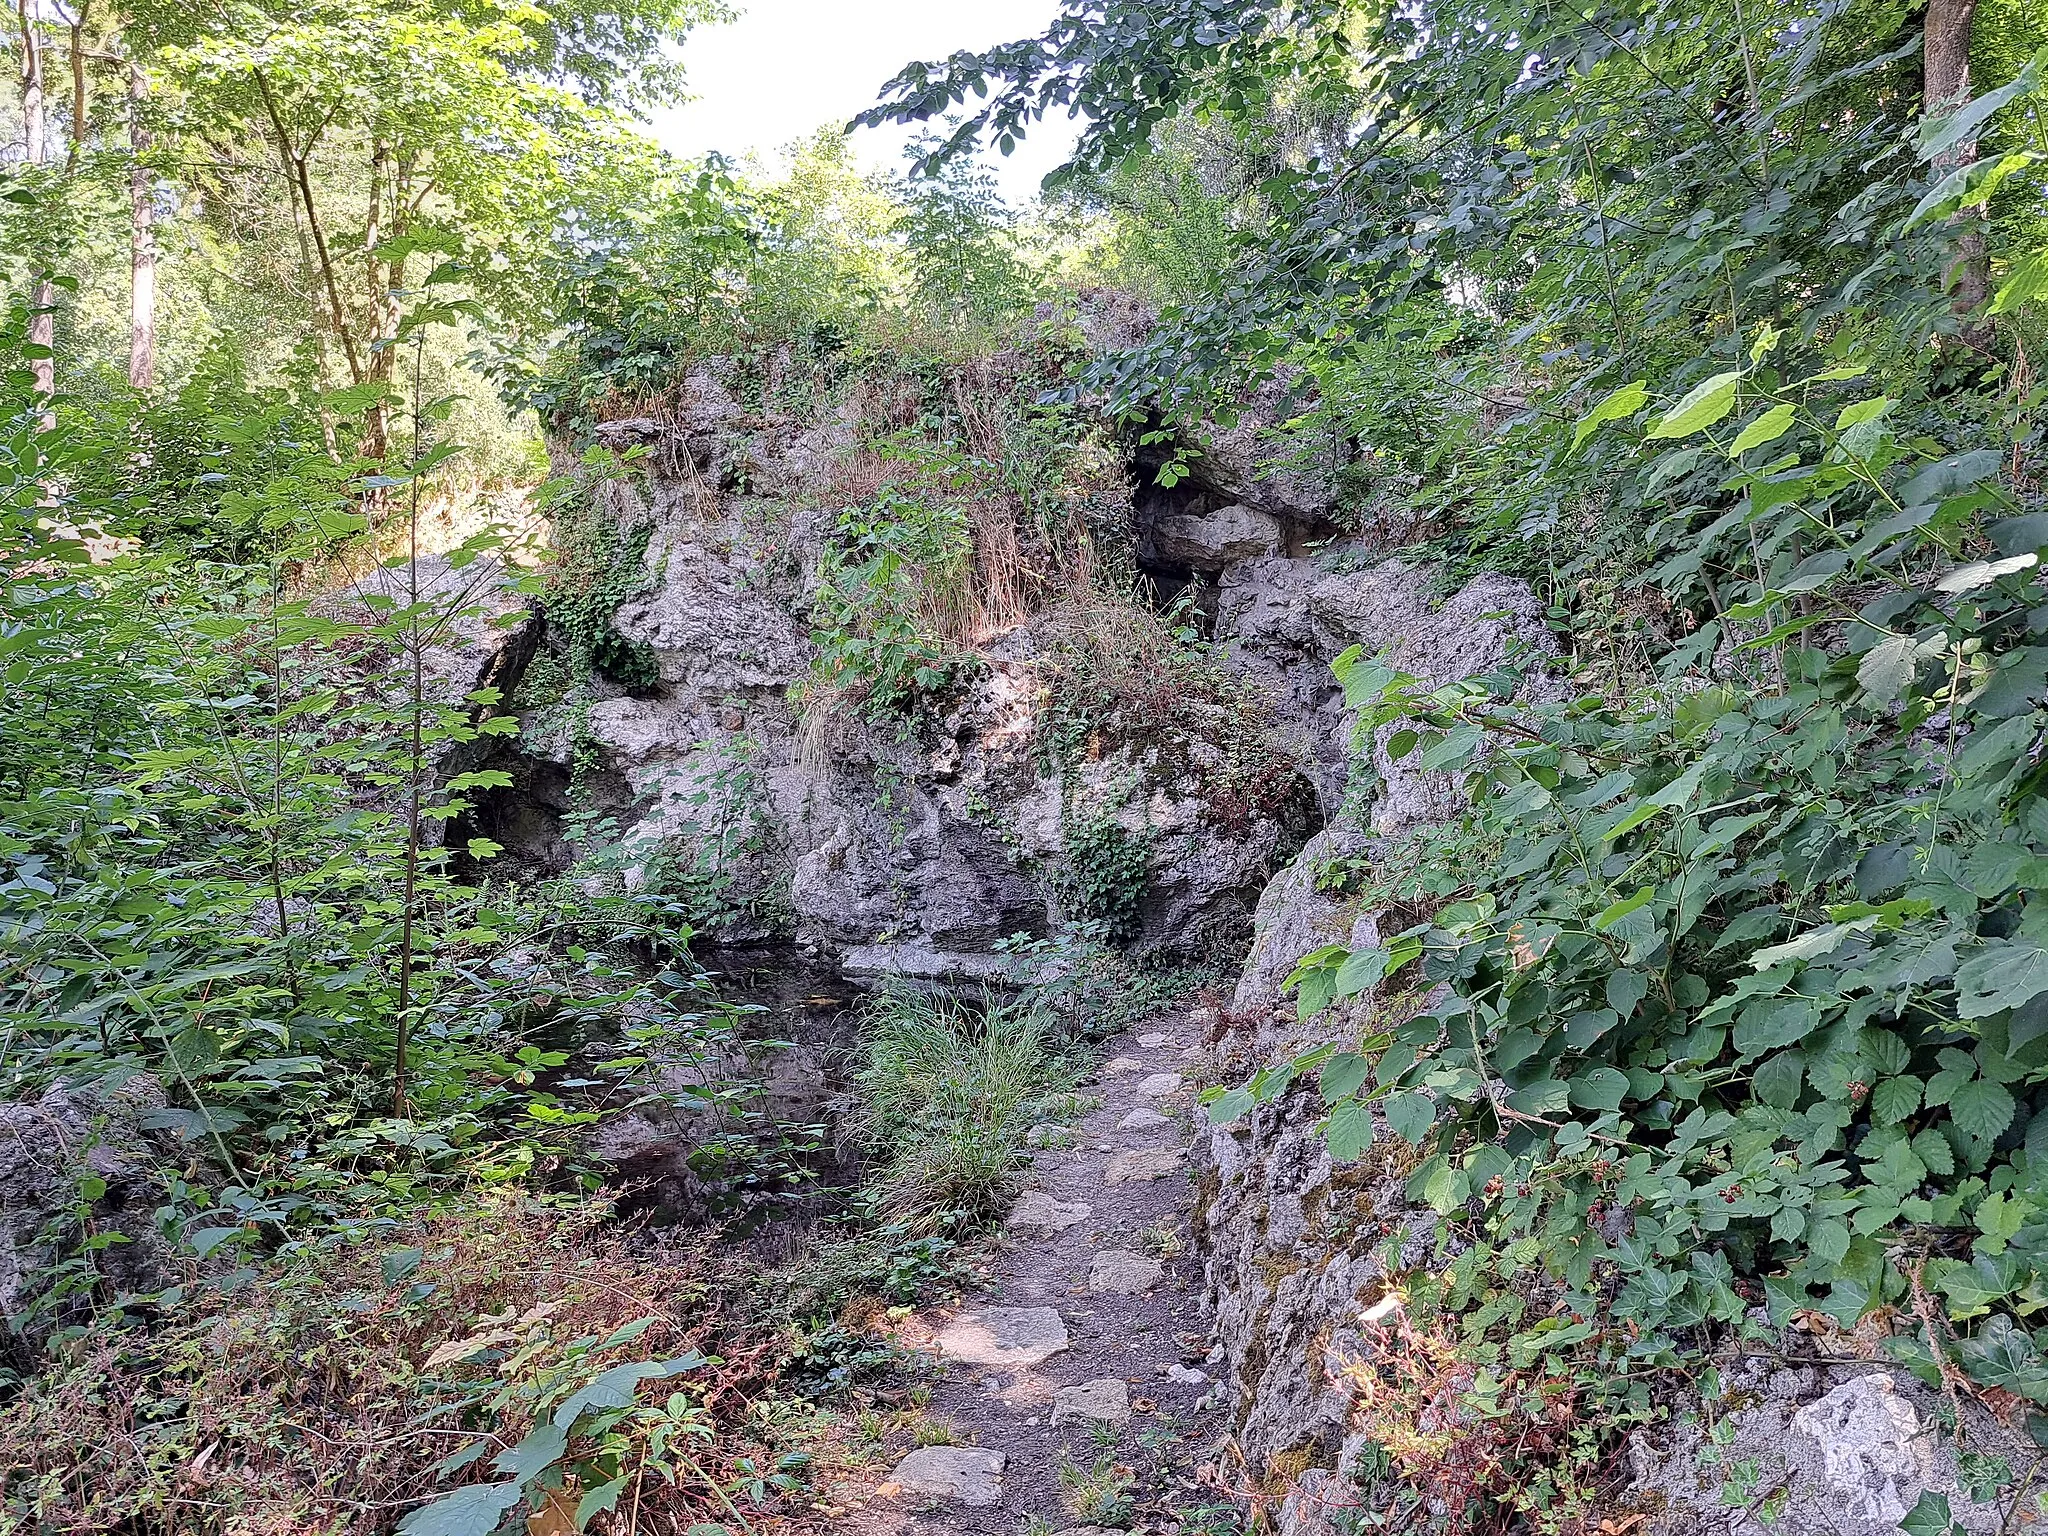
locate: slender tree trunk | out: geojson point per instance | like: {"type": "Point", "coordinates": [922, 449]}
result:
{"type": "Point", "coordinates": [376, 427]}
{"type": "Point", "coordinates": [81, 107]}
{"type": "Point", "coordinates": [141, 240]}
{"type": "Point", "coordinates": [42, 326]}
{"type": "Point", "coordinates": [1945, 60]}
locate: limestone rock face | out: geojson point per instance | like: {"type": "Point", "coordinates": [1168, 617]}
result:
{"type": "Point", "coordinates": [1286, 620]}
{"type": "Point", "coordinates": [47, 1146]}
{"type": "Point", "coordinates": [1212, 541]}
{"type": "Point", "coordinates": [1854, 1449]}
{"type": "Point", "coordinates": [1293, 1244]}
{"type": "Point", "coordinates": [911, 845]}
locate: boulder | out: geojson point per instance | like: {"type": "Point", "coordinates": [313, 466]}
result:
{"type": "Point", "coordinates": [48, 1149]}
{"type": "Point", "coordinates": [1284, 621]}
{"type": "Point", "coordinates": [1211, 541]}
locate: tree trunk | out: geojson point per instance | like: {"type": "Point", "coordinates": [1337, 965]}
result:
{"type": "Point", "coordinates": [376, 422]}
{"type": "Point", "coordinates": [1945, 60]}
{"type": "Point", "coordinates": [141, 240]}
{"type": "Point", "coordinates": [80, 103]}
{"type": "Point", "coordinates": [42, 326]}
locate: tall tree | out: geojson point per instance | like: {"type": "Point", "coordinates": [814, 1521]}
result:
{"type": "Point", "coordinates": [42, 332]}
{"type": "Point", "coordinates": [141, 237]}
{"type": "Point", "coordinates": [1945, 62]}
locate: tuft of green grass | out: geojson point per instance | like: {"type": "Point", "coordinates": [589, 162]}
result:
{"type": "Point", "coordinates": [1099, 1493]}
{"type": "Point", "coordinates": [949, 1087]}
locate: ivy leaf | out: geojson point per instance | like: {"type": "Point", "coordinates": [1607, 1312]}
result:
{"type": "Point", "coordinates": [1829, 1240]}
{"type": "Point", "coordinates": [1982, 1108]}
{"type": "Point", "coordinates": [2002, 975]}
{"type": "Point", "coordinates": [2002, 1355]}
{"type": "Point", "coordinates": [1706, 403]}
{"type": "Point", "coordinates": [1930, 1517]}
{"type": "Point", "coordinates": [2000, 1216]}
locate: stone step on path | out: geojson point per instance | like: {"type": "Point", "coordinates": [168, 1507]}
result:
{"type": "Point", "coordinates": [1087, 1352]}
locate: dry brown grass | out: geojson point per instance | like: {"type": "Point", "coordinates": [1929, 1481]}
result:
{"type": "Point", "coordinates": [311, 1400]}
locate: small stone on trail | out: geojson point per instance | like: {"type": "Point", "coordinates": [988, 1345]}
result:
{"type": "Point", "coordinates": [1142, 1166]}
{"type": "Point", "coordinates": [1012, 1336]}
{"type": "Point", "coordinates": [964, 1474]}
{"type": "Point", "coordinates": [1143, 1120]}
{"type": "Point", "coordinates": [1117, 1066]}
{"type": "Point", "coordinates": [1106, 1400]}
{"type": "Point", "coordinates": [1153, 1041]}
{"type": "Point", "coordinates": [1187, 1375]}
{"type": "Point", "coordinates": [1039, 1211]}
{"type": "Point", "coordinates": [1160, 1085]}
{"type": "Point", "coordinates": [1123, 1273]}
{"type": "Point", "coordinates": [1048, 1136]}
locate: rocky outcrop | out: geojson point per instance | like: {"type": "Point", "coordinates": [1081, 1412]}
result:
{"type": "Point", "coordinates": [80, 1149]}
{"type": "Point", "coordinates": [1849, 1448]}
{"type": "Point", "coordinates": [1297, 1248]}
{"type": "Point", "coordinates": [913, 843]}
{"type": "Point", "coordinates": [1284, 621]}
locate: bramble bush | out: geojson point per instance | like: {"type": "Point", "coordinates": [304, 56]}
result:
{"type": "Point", "coordinates": [1750, 1003]}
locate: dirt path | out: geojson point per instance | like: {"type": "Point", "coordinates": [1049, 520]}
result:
{"type": "Point", "coordinates": [1078, 1390]}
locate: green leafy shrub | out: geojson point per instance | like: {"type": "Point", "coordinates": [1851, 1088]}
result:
{"type": "Point", "coordinates": [1103, 871]}
{"type": "Point", "coordinates": [1746, 1000]}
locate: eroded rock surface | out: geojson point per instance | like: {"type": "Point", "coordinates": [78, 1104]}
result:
{"type": "Point", "coordinates": [1847, 1448]}
{"type": "Point", "coordinates": [49, 1146]}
